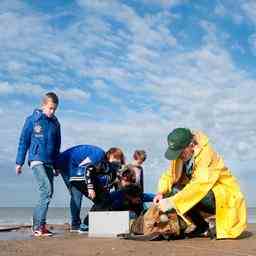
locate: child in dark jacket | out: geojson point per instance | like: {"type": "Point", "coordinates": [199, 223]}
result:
{"type": "Point", "coordinates": [41, 138]}
{"type": "Point", "coordinates": [139, 157]}
{"type": "Point", "coordinates": [128, 196]}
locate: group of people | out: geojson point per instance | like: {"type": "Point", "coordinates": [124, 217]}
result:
{"type": "Point", "coordinates": [197, 183]}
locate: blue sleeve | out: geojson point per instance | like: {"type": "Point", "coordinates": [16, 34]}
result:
{"type": "Point", "coordinates": [89, 173]}
{"type": "Point", "coordinates": [24, 142]}
{"type": "Point", "coordinates": [90, 163]}
{"type": "Point", "coordinates": [97, 157]}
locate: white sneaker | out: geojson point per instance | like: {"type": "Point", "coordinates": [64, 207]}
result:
{"type": "Point", "coordinates": [83, 229]}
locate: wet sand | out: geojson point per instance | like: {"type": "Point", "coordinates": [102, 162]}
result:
{"type": "Point", "coordinates": [21, 243]}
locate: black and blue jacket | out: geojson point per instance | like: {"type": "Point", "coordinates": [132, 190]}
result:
{"type": "Point", "coordinates": [41, 137]}
{"type": "Point", "coordinates": [86, 163]}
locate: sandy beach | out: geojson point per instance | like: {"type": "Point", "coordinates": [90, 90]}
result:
{"type": "Point", "coordinates": [64, 243]}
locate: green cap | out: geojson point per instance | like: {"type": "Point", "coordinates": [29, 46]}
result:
{"type": "Point", "coordinates": [177, 140]}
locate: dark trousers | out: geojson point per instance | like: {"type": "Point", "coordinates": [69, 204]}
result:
{"type": "Point", "coordinates": [77, 190]}
{"type": "Point", "coordinates": [207, 205]}
{"type": "Point", "coordinates": [100, 201]}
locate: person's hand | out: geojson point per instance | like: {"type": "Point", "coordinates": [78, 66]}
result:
{"type": "Point", "coordinates": [18, 169]}
{"type": "Point", "coordinates": [56, 172]}
{"type": "Point", "coordinates": [165, 205]}
{"type": "Point", "coordinates": [91, 193]}
{"type": "Point", "coordinates": [157, 198]}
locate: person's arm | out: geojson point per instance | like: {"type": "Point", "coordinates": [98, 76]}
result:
{"type": "Point", "coordinates": [164, 186]}
{"type": "Point", "coordinates": [168, 178]}
{"type": "Point", "coordinates": [89, 173]}
{"type": "Point", "coordinates": [92, 164]}
{"type": "Point", "coordinates": [204, 177]}
{"type": "Point", "coordinates": [24, 143]}
{"type": "Point", "coordinates": [58, 142]}
{"type": "Point", "coordinates": [165, 182]}
{"type": "Point", "coordinates": [138, 171]}
{"type": "Point", "coordinates": [157, 198]}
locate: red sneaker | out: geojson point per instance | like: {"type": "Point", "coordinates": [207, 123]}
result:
{"type": "Point", "coordinates": [42, 231]}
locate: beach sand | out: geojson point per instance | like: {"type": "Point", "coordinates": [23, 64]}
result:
{"type": "Point", "coordinates": [64, 243]}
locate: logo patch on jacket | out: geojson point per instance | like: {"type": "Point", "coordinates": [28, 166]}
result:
{"type": "Point", "coordinates": [38, 130]}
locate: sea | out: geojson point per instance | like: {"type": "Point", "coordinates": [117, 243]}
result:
{"type": "Point", "coordinates": [23, 215]}
{"type": "Point", "coordinates": [59, 215]}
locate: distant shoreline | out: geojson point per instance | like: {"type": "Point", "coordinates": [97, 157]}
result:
{"type": "Point", "coordinates": [60, 215]}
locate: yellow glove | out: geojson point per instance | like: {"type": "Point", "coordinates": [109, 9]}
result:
{"type": "Point", "coordinates": [165, 205]}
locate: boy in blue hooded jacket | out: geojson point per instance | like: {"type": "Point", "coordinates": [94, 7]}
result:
{"type": "Point", "coordinates": [41, 138]}
{"type": "Point", "coordinates": [88, 171]}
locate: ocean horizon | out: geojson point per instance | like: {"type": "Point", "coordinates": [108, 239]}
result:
{"type": "Point", "coordinates": [23, 215]}
{"type": "Point", "coordinates": [60, 215]}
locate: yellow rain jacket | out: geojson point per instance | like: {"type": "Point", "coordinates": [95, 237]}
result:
{"type": "Point", "coordinates": [209, 173]}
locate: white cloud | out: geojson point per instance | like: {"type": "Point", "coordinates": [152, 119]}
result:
{"type": "Point", "coordinates": [100, 85]}
{"type": "Point", "coordinates": [72, 94]}
{"type": "Point", "coordinates": [29, 90]}
{"type": "Point", "coordinates": [142, 80]}
{"type": "Point", "coordinates": [165, 3]}
{"type": "Point", "coordinates": [238, 47]}
{"type": "Point", "coordinates": [249, 7]}
{"type": "Point", "coordinates": [226, 10]}
{"type": "Point", "coordinates": [252, 42]}
{"type": "Point", "coordinates": [220, 10]}
{"type": "Point", "coordinates": [141, 28]}
{"type": "Point", "coordinates": [5, 88]}
{"type": "Point", "coordinates": [142, 66]}
{"type": "Point", "coordinates": [13, 5]}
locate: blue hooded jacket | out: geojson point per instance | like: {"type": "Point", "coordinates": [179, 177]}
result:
{"type": "Point", "coordinates": [79, 162]}
{"type": "Point", "coordinates": [41, 137]}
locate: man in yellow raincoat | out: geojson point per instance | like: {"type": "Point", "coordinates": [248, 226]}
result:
{"type": "Point", "coordinates": [201, 175]}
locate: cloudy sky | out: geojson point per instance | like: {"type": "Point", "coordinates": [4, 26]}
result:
{"type": "Point", "coordinates": [127, 73]}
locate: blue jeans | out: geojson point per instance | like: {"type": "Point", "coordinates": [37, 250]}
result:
{"type": "Point", "coordinates": [148, 197]}
{"type": "Point", "coordinates": [75, 200]}
{"type": "Point", "coordinates": [44, 178]}
{"type": "Point", "coordinates": [121, 200]}
{"type": "Point", "coordinates": [75, 206]}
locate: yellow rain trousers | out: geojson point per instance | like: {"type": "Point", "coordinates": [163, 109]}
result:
{"type": "Point", "coordinates": [209, 173]}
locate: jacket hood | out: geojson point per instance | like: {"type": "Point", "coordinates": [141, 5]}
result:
{"type": "Point", "coordinates": [38, 114]}
{"type": "Point", "coordinates": [202, 141]}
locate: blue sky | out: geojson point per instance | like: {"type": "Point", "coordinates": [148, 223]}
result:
{"type": "Point", "coordinates": [127, 73]}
